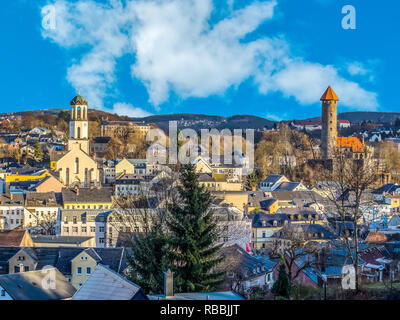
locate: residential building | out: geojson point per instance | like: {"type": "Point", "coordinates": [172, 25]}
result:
{"type": "Point", "coordinates": [42, 210]}
{"type": "Point", "coordinates": [243, 271]}
{"type": "Point", "coordinates": [15, 238]}
{"type": "Point", "coordinates": [12, 209]}
{"type": "Point", "coordinates": [87, 198]}
{"type": "Point", "coordinates": [35, 285]}
{"type": "Point", "coordinates": [106, 284]}
{"type": "Point", "coordinates": [218, 182]}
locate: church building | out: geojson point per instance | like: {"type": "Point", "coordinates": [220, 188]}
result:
{"type": "Point", "coordinates": [76, 167]}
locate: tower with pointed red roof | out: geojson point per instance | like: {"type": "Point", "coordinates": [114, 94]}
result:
{"type": "Point", "coordinates": [329, 123]}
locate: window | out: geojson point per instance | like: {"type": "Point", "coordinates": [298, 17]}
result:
{"type": "Point", "coordinates": [26, 268]}
{"type": "Point", "coordinates": [66, 229]}
{"type": "Point", "coordinates": [101, 240]}
{"type": "Point", "coordinates": [79, 270]}
{"type": "Point", "coordinates": [84, 229]}
{"type": "Point", "coordinates": [75, 229]}
{"type": "Point", "coordinates": [92, 229]}
{"type": "Point", "coordinates": [88, 270]}
{"type": "Point", "coordinates": [76, 165]}
{"type": "Point", "coordinates": [101, 229]}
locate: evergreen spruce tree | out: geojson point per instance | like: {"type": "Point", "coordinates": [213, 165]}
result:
{"type": "Point", "coordinates": [192, 236]}
{"type": "Point", "coordinates": [38, 152]}
{"type": "Point", "coordinates": [282, 285]}
{"type": "Point", "coordinates": [148, 261]}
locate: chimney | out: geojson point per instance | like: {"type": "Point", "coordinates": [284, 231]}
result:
{"type": "Point", "coordinates": [323, 260]}
{"type": "Point", "coordinates": [169, 284]}
{"type": "Point", "coordinates": [328, 247]}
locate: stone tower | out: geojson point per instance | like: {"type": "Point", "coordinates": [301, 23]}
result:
{"type": "Point", "coordinates": [78, 126]}
{"type": "Point", "coordinates": [329, 123]}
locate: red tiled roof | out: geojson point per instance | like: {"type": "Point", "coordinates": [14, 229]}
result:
{"type": "Point", "coordinates": [350, 142]}
{"type": "Point", "coordinates": [11, 238]}
{"type": "Point", "coordinates": [376, 237]}
{"type": "Point", "coordinates": [329, 94]}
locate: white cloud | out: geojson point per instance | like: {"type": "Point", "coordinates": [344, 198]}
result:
{"type": "Point", "coordinates": [178, 48]}
{"type": "Point", "coordinates": [126, 109]}
{"type": "Point", "coordinates": [356, 68]}
{"type": "Point", "coordinates": [303, 80]}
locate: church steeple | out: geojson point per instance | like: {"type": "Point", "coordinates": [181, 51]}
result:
{"type": "Point", "coordinates": [78, 126]}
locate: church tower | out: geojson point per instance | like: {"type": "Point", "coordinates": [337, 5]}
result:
{"type": "Point", "coordinates": [78, 126]}
{"type": "Point", "coordinates": [329, 123]}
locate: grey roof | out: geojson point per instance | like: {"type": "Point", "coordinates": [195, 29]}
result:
{"type": "Point", "coordinates": [281, 219]}
{"type": "Point", "coordinates": [272, 178]}
{"type": "Point", "coordinates": [14, 199]}
{"type": "Point", "coordinates": [41, 199]}
{"type": "Point", "coordinates": [105, 284]}
{"type": "Point", "coordinates": [394, 221]}
{"type": "Point", "coordinates": [59, 239]}
{"type": "Point", "coordinates": [240, 262]}
{"type": "Point", "coordinates": [82, 214]}
{"type": "Point", "coordinates": [101, 139]}
{"type": "Point", "coordinates": [387, 188]}
{"type": "Point", "coordinates": [6, 253]}
{"type": "Point", "coordinates": [88, 195]}
{"type": "Point", "coordinates": [287, 186]}
{"type": "Point", "coordinates": [29, 285]}
{"type": "Point", "coordinates": [266, 204]}
{"type": "Point", "coordinates": [315, 231]}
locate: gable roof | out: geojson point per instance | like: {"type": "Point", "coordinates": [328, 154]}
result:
{"type": "Point", "coordinates": [288, 186]}
{"type": "Point", "coordinates": [41, 199]}
{"type": "Point", "coordinates": [105, 284]}
{"type": "Point", "coordinates": [12, 238]}
{"type": "Point", "coordinates": [239, 261]}
{"type": "Point", "coordinates": [28, 285]}
{"type": "Point", "coordinates": [273, 178]}
{"type": "Point", "coordinates": [86, 195]}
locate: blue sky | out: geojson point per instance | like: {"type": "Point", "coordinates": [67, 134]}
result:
{"type": "Point", "coordinates": [267, 58]}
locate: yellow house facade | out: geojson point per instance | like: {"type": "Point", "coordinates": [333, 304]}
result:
{"type": "Point", "coordinates": [82, 267]}
{"type": "Point", "coordinates": [124, 166]}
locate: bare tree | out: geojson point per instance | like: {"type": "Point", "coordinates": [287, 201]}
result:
{"type": "Point", "coordinates": [44, 223]}
{"type": "Point", "coordinates": [143, 210]}
{"type": "Point", "coordinates": [297, 246]}
{"type": "Point", "coordinates": [350, 179]}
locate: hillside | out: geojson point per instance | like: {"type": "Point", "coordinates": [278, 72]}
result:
{"type": "Point", "coordinates": [198, 121]}
{"type": "Point", "coordinates": [360, 116]}
{"type": "Point", "coordinates": [377, 117]}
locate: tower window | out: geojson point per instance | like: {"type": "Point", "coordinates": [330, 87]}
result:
{"type": "Point", "coordinates": [79, 132]}
{"type": "Point", "coordinates": [76, 165]}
